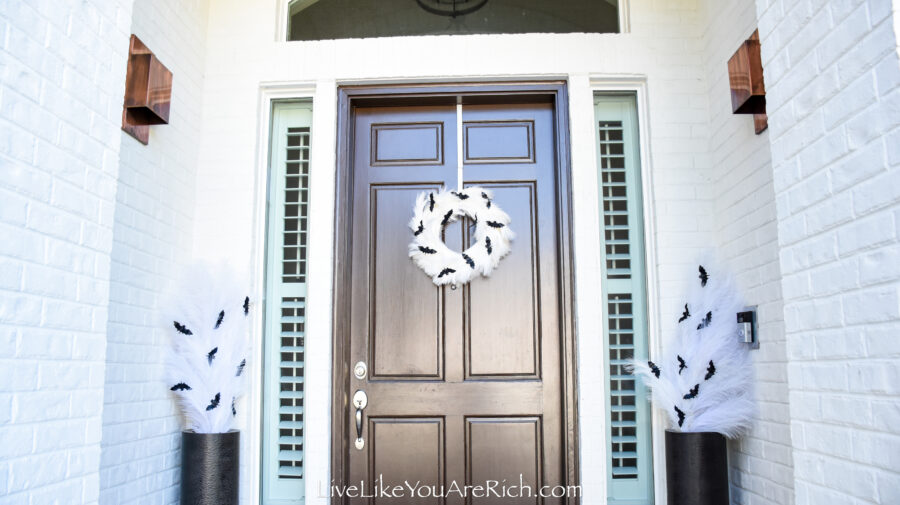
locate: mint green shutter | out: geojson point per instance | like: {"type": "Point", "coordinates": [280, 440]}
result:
{"type": "Point", "coordinates": [629, 478]}
{"type": "Point", "coordinates": [285, 305]}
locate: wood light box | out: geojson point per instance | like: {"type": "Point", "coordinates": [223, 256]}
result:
{"type": "Point", "coordinates": [148, 92]}
{"type": "Point", "coordinates": [745, 75]}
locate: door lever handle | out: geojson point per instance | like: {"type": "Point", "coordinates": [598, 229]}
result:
{"type": "Point", "coordinates": [360, 400]}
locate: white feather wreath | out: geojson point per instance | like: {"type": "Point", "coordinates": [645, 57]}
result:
{"type": "Point", "coordinates": [207, 319]}
{"type": "Point", "coordinates": [492, 239]}
{"type": "Point", "coordinates": [704, 378]}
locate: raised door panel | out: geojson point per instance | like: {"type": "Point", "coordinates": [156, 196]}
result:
{"type": "Point", "coordinates": [407, 143]}
{"type": "Point", "coordinates": [506, 450]}
{"type": "Point", "coordinates": [502, 333]}
{"type": "Point", "coordinates": [407, 450]}
{"type": "Point", "coordinates": [499, 141]}
{"type": "Point", "coordinates": [406, 313]}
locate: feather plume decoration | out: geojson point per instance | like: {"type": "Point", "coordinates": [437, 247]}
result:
{"type": "Point", "coordinates": [206, 315]}
{"type": "Point", "coordinates": [704, 378]}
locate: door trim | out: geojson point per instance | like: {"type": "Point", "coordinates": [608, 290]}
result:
{"type": "Point", "coordinates": [506, 92]}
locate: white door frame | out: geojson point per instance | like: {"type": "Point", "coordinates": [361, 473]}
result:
{"type": "Point", "coordinates": [592, 360]}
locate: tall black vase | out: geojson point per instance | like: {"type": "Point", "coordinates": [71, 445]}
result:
{"type": "Point", "coordinates": [209, 468]}
{"type": "Point", "coordinates": [696, 468]}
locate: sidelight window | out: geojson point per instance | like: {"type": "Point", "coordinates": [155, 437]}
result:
{"type": "Point", "coordinates": [286, 270]}
{"type": "Point", "coordinates": [345, 19]}
{"type": "Point", "coordinates": [629, 466]}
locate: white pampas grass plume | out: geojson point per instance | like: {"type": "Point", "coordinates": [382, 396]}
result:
{"type": "Point", "coordinates": [206, 315]}
{"type": "Point", "coordinates": [704, 378]}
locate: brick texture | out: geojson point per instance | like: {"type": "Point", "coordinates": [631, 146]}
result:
{"type": "Point", "coordinates": [746, 238]}
{"type": "Point", "coordinates": [832, 77]}
{"type": "Point", "coordinates": [152, 234]}
{"type": "Point", "coordinates": [62, 76]}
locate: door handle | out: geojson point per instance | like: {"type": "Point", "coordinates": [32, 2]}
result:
{"type": "Point", "coordinates": [360, 400]}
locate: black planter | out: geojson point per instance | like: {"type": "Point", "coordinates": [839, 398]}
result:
{"type": "Point", "coordinates": [209, 468]}
{"type": "Point", "coordinates": [696, 468]}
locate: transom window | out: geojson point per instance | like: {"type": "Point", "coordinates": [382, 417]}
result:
{"type": "Point", "coordinates": [346, 19]}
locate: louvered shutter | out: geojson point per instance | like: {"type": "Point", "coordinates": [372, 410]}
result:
{"type": "Point", "coordinates": [624, 292]}
{"type": "Point", "coordinates": [286, 268]}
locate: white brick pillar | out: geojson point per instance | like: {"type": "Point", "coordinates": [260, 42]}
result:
{"type": "Point", "coordinates": [62, 79]}
{"type": "Point", "coordinates": [833, 91]}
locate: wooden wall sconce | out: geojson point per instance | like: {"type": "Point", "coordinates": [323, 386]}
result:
{"type": "Point", "coordinates": [148, 92]}
{"type": "Point", "coordinates": [748, 91]}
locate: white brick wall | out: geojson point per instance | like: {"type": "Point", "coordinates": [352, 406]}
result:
{"type": "Point", "coordinates": [62, 74]}
{"type": "Point", "coordinates": [81, 203]}
{"type": "Point", "coordinates": [832, 77]}
{"type": "Point", "coordinates": [152, 234]}
{"type": "Point", "coordinates": [747, 241]}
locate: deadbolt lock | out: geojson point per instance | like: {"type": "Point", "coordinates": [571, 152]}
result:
{"type": "Point", "coordinates": [360, 370]}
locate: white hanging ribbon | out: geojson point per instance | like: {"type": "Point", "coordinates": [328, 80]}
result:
{"type": "Point", "coordinates": [459, 144]}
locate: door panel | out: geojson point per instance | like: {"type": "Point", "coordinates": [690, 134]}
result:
{"type": "Point", "coordinates": [499, 345]}
{"type": "Point", "coordinates": [410, 449]}
{"type": "Point", "coordinates": [406, 311]}
{"type": "Point", "coordinates": [504, 449]}
{"type": "Point", "coordinates": [465, 385]}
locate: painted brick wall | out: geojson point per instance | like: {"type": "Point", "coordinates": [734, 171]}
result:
{"type": "Point", "coordinates": [152, 234]}
{"type": "Point", "coordinates": [746, 237]}
{"type": "Point", "coordinates": [832, 77]}
{"type": "Point", "coordinates": [62, 77]}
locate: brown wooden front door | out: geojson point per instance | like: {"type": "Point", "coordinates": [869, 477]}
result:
{"type": "Point", "coordinates": [467, 385]}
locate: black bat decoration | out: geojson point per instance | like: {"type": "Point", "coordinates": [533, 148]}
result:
{"type": "Point", "coordinates": [461, 196]}
{"type": "Point", "coordinates": [427, 250]}
{"type": "Point", "coordinates": [468, 260]}
{"type": "Point", "coordinates": [215, 402]}
{"type": "Point", "coordinates": [240, 369]}
{"type": "Point", "coordinates": [182, 328]}
{"type": "Point", "coordinates": [684, 315]}
{"type": "Point", "coordinates": [246, 305]}
{"type": "Point", "coordinates": [488, 200]}
{"type": "Point", "coordinates": [680, 416]}
{"type": "Point", "coordinates": [420, 229]}
{"type": "Point", "coordinates": [219, 320]}
{"type": "Point", "coordinates": [653, 368]}
{"type": "Point", "coordinates": [430, 202]}
{"type": "Point", "coordinates": [710, 371]}
{"type": "Point", "coordinates": [495, 224]}
{"type": "Point", "coordinates": [487, 243]}
{"type": "Point", "coordinates": [681, 364]}
{"type": "Point", "coordinates": [705, 322]}
{"type": "Point", "coordinates": [447, 217]}
{"type": "Point", "coordinates": [233, 410]}
{"type": "Point", "coordinates": [211, 355]}
{"type": "Point", "coordinates": [446, 271]}
{"type": "Point", "coordinates": [180, 387]}
{"type": "Point", "coordinates": [693, 392]}
{"type": "Point", "coordinates": [704, 277]}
